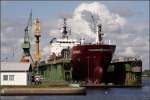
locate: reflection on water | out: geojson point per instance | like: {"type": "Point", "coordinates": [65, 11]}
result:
{"type": "Point", "coordinates": [102, 94]}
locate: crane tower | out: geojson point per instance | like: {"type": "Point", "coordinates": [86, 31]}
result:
{"type": "Point", "coordinates": [37, 41]}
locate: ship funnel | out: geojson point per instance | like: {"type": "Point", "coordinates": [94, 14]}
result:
{"type": "Point", "coordinates": [99, 34]}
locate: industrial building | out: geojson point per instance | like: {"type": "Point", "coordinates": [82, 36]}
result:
{"type": "Point", "coordinates": [15, 73]}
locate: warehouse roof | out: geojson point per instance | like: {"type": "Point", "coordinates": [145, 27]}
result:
{"type": "Point", "coordinates": [14, 66]}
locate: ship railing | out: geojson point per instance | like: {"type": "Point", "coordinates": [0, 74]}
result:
{"type": "Point", "coordinates": [54, 61]}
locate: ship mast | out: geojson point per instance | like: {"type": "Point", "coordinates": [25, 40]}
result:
{"type": "Point", "coordinates": [64, 32]}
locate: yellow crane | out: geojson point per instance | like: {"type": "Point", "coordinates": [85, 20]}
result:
{"type": "Point", "coordinates": [37, 55]}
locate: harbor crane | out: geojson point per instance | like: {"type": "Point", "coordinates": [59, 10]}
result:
{"type": "Point", "coordinates": [98, 31]}
{"type": "Point", "coordinates": [37, 55]}
{"type": "Point", "coordinates": [26, 44]}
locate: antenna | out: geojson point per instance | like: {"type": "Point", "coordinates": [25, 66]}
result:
{"type": "Point", "coordinates": [64, 32]}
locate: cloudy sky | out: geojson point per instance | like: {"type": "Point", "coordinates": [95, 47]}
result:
{"type": "Point", "coordinates": [125, 23]}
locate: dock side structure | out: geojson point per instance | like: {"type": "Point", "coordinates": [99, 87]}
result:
{"type": "Point", "coordinates": [57, 70]}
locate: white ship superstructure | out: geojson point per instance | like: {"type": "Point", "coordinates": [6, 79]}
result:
{"type": "Point", "coordinates": [64, 42]}
{"type": "Point", "coordinates": [61, 44]}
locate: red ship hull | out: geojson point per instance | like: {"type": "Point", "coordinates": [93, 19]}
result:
{"type": "Point", "coordinates": [91, 61]}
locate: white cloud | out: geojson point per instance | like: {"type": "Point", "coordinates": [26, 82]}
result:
{"type": "Point", "coordinates": [101, 14]}
{"type": "Point", "coordinates": [125, 11]}
{"type": "Point", "coordinates": [129, 52]}
{"type": "Point", "coordinates": [139, 42]}
{"type": "Point", "coordinates": [54, 32]}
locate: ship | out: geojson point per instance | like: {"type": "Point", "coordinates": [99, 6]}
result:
{"type": "Point", "coordinates": [88, 64]}
{"type": "Point", "coordinates": [90, 61]}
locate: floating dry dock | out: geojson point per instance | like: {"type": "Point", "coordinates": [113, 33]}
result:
{"type": "Point", "coordinates": [43, 91]}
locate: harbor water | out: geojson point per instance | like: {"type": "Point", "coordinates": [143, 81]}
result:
{"type": "Point", "coordinates": [142, 93]}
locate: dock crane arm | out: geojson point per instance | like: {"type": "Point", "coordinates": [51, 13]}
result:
{"type": "Point", "coordinates": [98, 31]}
{"type": "Point", "coordinates": [94, 23]}
{"type": "Point", "coordinates": [26, 44]}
